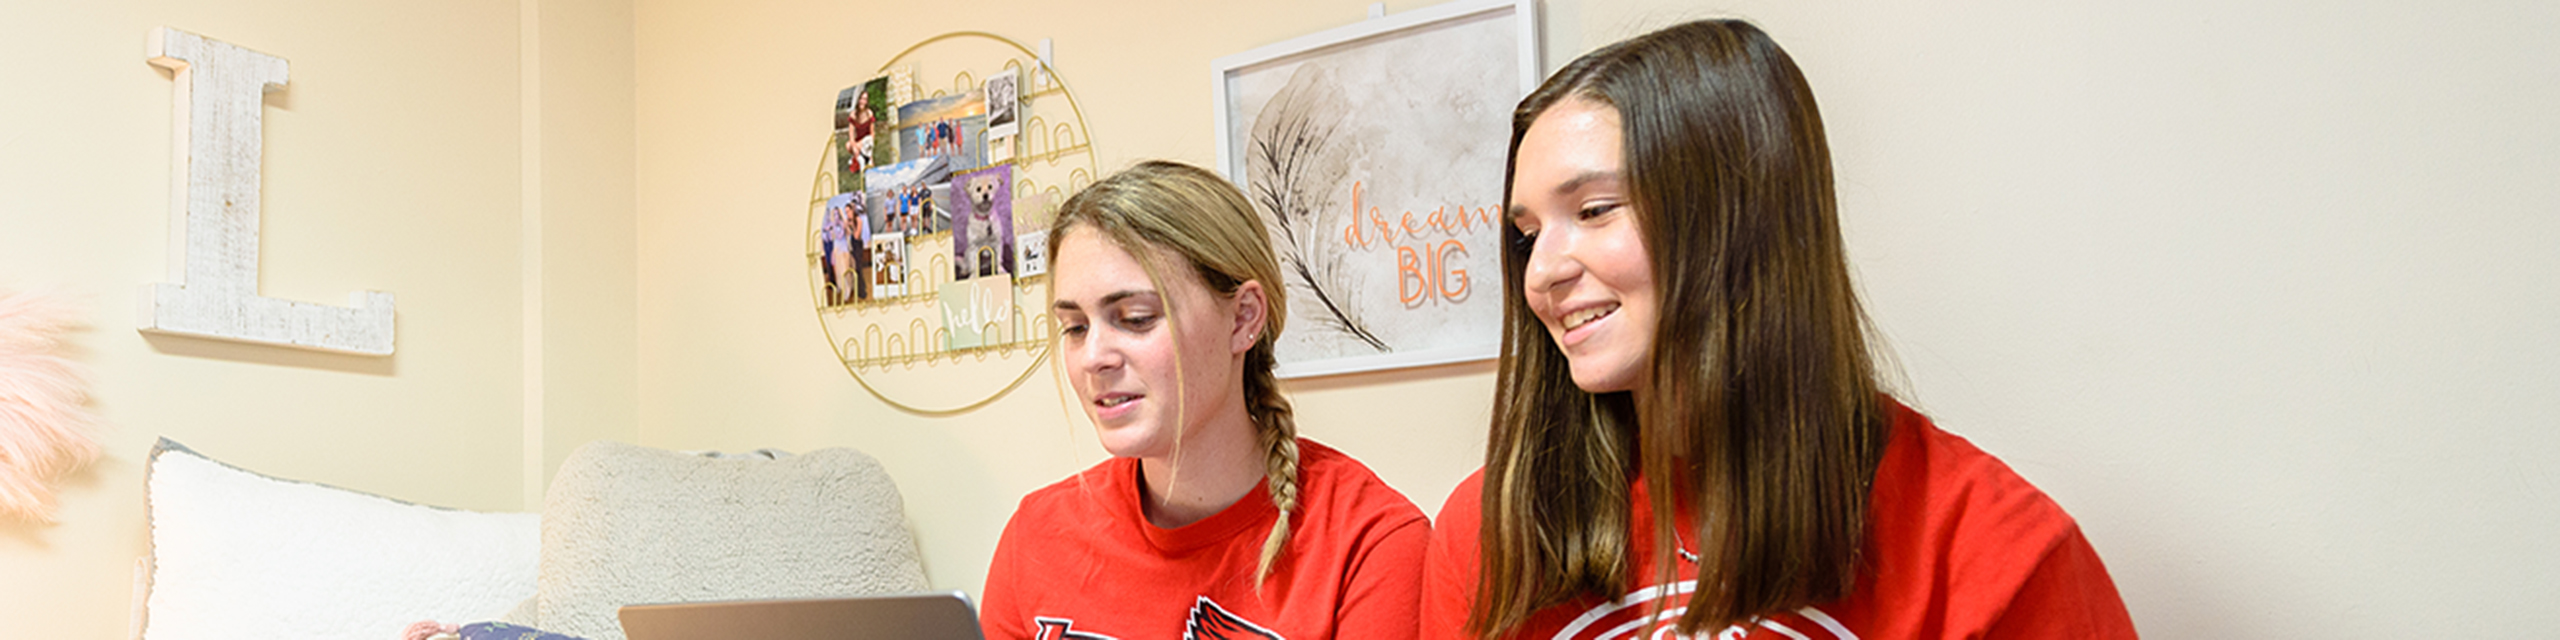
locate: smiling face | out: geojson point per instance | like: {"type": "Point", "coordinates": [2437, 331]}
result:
{"type": "Point", "coordinates": [1119, 344]}
{"type": "Point", "coordinates": [1589, 279]}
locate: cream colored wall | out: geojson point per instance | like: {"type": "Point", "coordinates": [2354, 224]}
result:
{"type": "Point", "coordinates": [2260, 292]}
{"type": "Point", "coordinates": [735, 98]}
{"type": "Point", "coordinates": [2264, 293]}
{"type": "Point", "coordinates": [393, 162]}
{"type": "Point", "coordinates": [581, 207]}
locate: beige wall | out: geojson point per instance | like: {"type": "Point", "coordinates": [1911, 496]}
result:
{"type": "Point", "coordinates": [580, 205]}
{"type": "Point", "coordinates": [2260, 292]}
{"type": "Point", "coordinates": [395, 161]}
{"type": "Point", "coordinates": [734, 95]}
{"type": "Point", "coordinates": [2263, 292]}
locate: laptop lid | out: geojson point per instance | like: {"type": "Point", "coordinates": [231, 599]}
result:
{"type": "Point", "coordinates": [920, 616]}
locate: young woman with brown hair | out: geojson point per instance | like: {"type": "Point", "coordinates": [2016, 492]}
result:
{"type": "Point", "coordinates": [1212, 519]}
{"type": "Point", "coordinates": [1688, 435]}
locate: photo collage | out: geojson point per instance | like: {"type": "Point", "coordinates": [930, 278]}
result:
{"type": "Point", "coordinates": [939, 165]}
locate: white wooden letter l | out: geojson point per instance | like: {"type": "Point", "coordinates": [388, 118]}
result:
{"type": "Point", "coordinates": [220, 113]}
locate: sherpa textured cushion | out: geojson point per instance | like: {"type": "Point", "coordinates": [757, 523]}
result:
{"type": "Point", "coordinates": [625, 524]}
{"type": "Point", "coordinates": [237, 554]}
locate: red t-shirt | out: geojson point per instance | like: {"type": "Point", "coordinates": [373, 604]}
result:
{"type": "Point", "coordinates": [1079, 560]}
{"type": "Point", "coordinates": [1959, 547]}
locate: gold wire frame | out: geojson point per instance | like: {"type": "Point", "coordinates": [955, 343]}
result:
{"type": "Point", "coordinates": [855, 331]}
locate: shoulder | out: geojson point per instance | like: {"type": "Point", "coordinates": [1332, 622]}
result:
{"type": "Point", "coordinates": [1464, 507]}
{"type": "Point", "coordinates": [1336, 485]}
{"type": "Point", "coordinates": [1930, 475]}
{"type": "Point", "coordinates": [1054, 529]}
{"type": "Point", "coordinates": [1955, 525]}
{"type": "Point", "coordinates": [1078, 499]}
{"type": "Point", "coordinates": [1454, 531]}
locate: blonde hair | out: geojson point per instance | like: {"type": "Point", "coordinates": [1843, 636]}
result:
{"type": "Point", "coordinates": [1204, 219]}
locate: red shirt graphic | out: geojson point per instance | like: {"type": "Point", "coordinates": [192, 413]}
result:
{"type": "Point", "coordinates": [1079, 560]}
{"type": "Point", "coordinates": [1961, 547]}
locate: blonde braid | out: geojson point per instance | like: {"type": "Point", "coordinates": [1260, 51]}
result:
{"type": "Point", "coordinates": [1278, 426]}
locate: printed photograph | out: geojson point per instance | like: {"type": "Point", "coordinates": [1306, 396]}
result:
{"type": "Point", "coordinates": [902, 83]}
{"type": "Point", "coordinates": [952, 127]}
{"type": "Point", "coordinates": [853, 154]}
{"type": "Point", "coordinates": [888, 266]}
{"type": "Point", "coordinates": [1032, 253]}
{"type": "Point", "coordinates": [841, 253]}
{"type": "Point", "coordinates": [1036, 210]}
{"type": "Point", "coordinates": [874, 123]}
{"type": "Point", "coordinates": [861, 114]}
{"type": "Point", "coordinates": [912, 197]}
{"type": "Point", "coordinates": [1004, 109]}
{"type": "Point", "coordinates": [982, 236]}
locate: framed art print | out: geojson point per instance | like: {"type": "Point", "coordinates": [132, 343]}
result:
{"type": "Point", "coordinates": [1380, 180]}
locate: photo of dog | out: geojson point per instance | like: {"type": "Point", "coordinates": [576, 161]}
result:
{"type": "Point", "coordinates": [982, 240]}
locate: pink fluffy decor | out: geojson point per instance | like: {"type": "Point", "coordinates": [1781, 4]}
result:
{"type": "Point", "coordinates": [46, 429]}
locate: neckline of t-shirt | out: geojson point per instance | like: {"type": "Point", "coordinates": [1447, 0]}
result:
{"type": "Point", "coordinates": [1225, 525]}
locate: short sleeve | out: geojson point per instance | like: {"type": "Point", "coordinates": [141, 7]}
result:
{"type": "Point", "coordinates": [1378, 602]}
{"type": "Point", "coordinates": [2068, 596]}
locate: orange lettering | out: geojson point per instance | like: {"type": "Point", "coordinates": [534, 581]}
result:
{"type": "Point", "coordinates": [1370, 226]}
{"type": "Point", "coordinates": [1409, 272]}
{"type": "Point", "coordinates": [1440, 258]}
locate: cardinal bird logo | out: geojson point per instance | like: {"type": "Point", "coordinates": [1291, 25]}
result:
{"type": "Point", "coordinates": [1212, 622]}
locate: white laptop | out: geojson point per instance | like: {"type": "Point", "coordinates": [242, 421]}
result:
{"type": "Point", "coordinates": [921, 616]}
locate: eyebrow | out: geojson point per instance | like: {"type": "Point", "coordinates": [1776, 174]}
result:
{"type": "Point", "coordinates": [1107, 299]}
{"type": "Point", "coordinates": [1576, 183]}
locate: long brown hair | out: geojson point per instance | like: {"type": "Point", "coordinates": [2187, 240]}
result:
{"type": "Point", "coordinates": [1205, 220]}
{"type": "Point", "coordinates": [1764, 418]}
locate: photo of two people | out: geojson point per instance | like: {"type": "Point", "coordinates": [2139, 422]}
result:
{"type": "Point", "coordinates": [842, 257]}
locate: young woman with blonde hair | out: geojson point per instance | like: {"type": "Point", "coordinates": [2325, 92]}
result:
{"type": "Point", "coordinates": [1212, 519]}
{"type": "Point", "coordinates": [1688, 436]}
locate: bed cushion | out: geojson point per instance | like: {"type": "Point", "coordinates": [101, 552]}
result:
{"type": "Point", "coordinates": [625, 524]}
{"type": "Point", "coordinates": [239, 554]}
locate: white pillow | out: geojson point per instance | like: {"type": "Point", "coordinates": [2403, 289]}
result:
{"type": "Point", "coordinates": [625, 524]}
{"type": "Point", "coordinates": [236, 554]}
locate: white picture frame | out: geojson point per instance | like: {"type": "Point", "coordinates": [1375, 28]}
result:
{"type": "Point", "coordinates": [1377, 141]}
